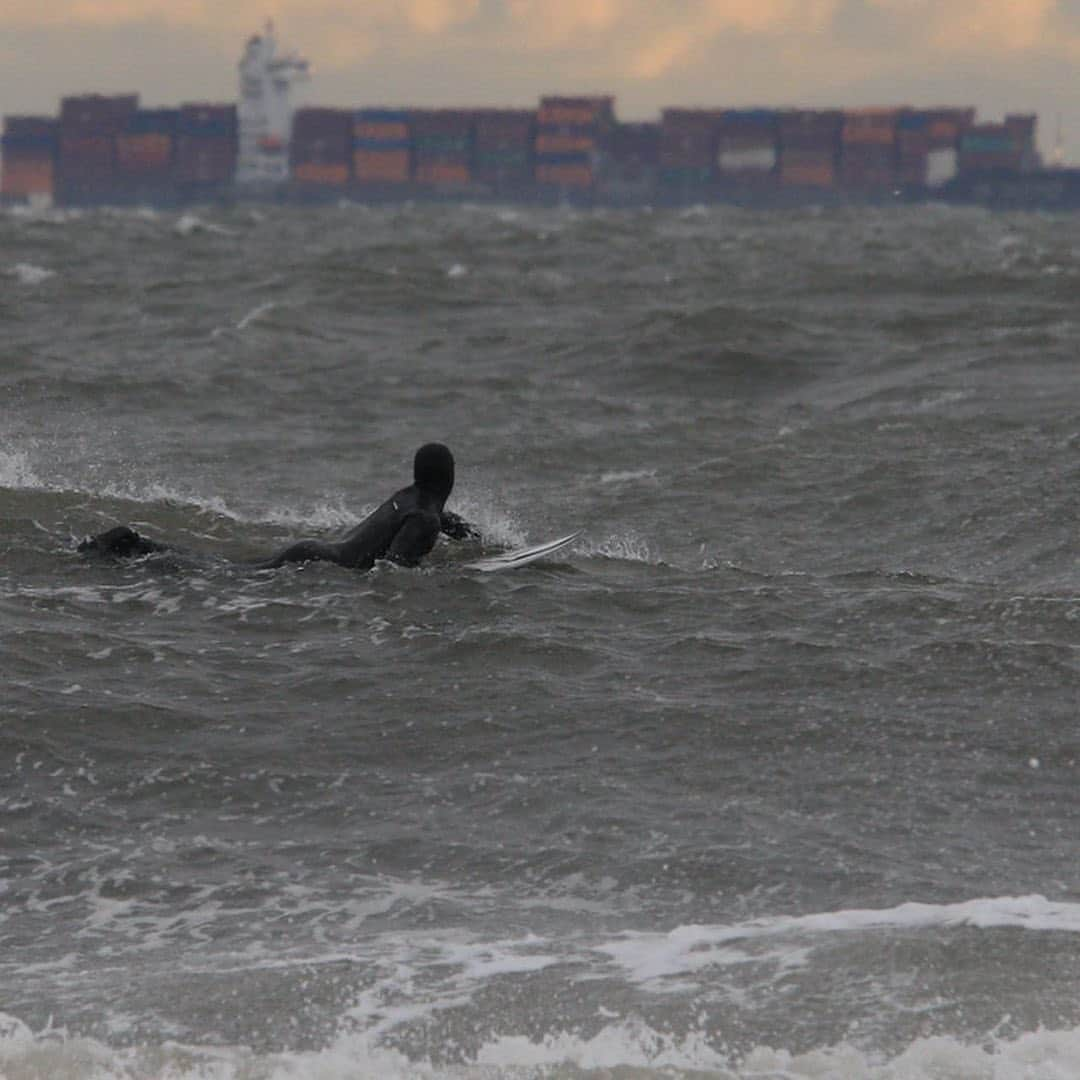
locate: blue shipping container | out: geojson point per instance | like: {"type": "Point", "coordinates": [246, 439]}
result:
{"type": "Point", "coordinates": [46, 143]}
{"type": "Point", "coordinates": [381, 116]}
{"type": "Point", "coordinates": [381, 144]}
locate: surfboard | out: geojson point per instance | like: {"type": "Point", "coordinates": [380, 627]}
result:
{"type": "Point", "coordinates": [523, 556]}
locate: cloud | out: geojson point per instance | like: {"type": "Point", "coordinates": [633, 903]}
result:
{"type": "Point", "coordinates": [644, 38]}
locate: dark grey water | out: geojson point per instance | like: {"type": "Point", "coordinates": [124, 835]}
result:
{"type": "Point", "coordinates": [773, 774]}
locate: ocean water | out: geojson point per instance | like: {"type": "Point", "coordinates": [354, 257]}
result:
{"type": "Point", "coordinates": [773, 774]}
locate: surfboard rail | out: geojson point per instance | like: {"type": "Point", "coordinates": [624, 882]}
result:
{"type": "Point", "coordinates": [508, 560]}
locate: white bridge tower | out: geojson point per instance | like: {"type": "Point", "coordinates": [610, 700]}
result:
{"type": "Point", "coordinates": [265, 111]}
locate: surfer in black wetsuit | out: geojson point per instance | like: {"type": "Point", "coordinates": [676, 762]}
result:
{"type": "Point", "coordinates": [404, 529]}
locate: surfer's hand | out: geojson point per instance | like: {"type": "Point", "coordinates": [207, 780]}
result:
{"type": "Point", "coordinates": [457, 528]}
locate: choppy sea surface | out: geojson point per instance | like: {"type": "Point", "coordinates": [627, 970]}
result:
{"type": "Point", "coordinates": [773, 774]}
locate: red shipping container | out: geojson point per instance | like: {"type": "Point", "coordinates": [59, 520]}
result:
{"type": "Point", "coordinates": [97, 113]}
{"type": "Point", "coordinates": [320, 175]}
{"type": "Point", "coordinates": [381, 166]}
{"type": "Point", "coordinates": [205, 159]}
{"type": "Point", "coordinates": [20, 179]}
{"type": "Point", "coordinates": [141, 154]}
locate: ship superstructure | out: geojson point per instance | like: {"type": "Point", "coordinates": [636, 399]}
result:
{"type": "Point", "coordinates": [265, 111]}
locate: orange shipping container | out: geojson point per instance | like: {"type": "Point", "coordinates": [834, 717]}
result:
{"type": "Point", "coordinates": [324, 175]}
{"type": "Point", "coordinates": [565, 144]}
{"type": "Point", "coordinates": [382, 166]}
{"type": "Point", "coordinates": [568, 176]}
{"type": "Point", "coordinates": [564, 116]}
{"type": "Point", "coordinates": [944, 131]}
{"type": "Point", "coordinates": [20, 179]}
{"type": "Point", "coordinates": [143, 153]}
{"type": "Point", "coordinates": [808, 175]}
{"type": "Point", "coordinates": [381, 132]}
{"type": "Point", "coordinates": [876, 127]}
{"type": "Point", "coordinates": [442, 172]}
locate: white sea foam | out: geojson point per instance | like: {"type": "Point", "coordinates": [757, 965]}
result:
{"type": "Point", "coordinates": [15, 470]}
{"type": "Point", "coordinates": [627, 476]}
{"type": "Point", "coordinates": [628, 1047]}
{"type": "Point", "coordinates": [29, 274]}
{"type": "Point", "coordinates": [628, 547]}
{"type": "Point", "coordinates": [653, 959]}
{"type": "Point", "coordinates": [188, 224]}
{"type": "Point", "coordinates": [254, 313]}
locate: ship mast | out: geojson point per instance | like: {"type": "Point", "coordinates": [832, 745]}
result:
{"type": "Point", "coordinates": [265, 111]}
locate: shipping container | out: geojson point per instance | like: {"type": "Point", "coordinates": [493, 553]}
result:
{"type": "Point", "coordinates": [746, 156]}
{"type": "Point", "coordinates": [97, 114]}
{"type": "Point", "coordinates": [503, 141]}
{"type": "Point", "coordinates": [941, 166]}
{"type": "Point", "coordinates": [943, 126]}
{"type": "Point", "coordinates": [747, 151]}
{"type": "Point", "coordinates": [565, 176]}
{"type": "Point", "coordinates": [86, 169]}
{"type": "Point", "coordinates": [28, 159]}
{"type": "Point", "coordinates": [442, 174]}
{"type": "Point", "coordinates": [632, 161]}
{"type": "Point", "coordinates": [688, 139]}
{"type": "Point", "coordinates": [377, 127]}
{"type": "Point", "coordinates": [316, 175]}
{"type": "Point", "coordinates": [635, 144]}
{"type": "Point", "coordinates": [371, 166]}
{"type": "Point", "coordinates": [912, 148]}
{"type": "Point", "coordinates": [573, 112]}
{"type": "Point", "coordinates": [810, 130]}
{"type": "Point", "coordinates": [868, 166]}
{"type": "Point", "coordinates": [321, 148]}
{"type": "Point", "coordinates": [208, 121]}
{"type": "Point", "coordinates": [808, 168]}
{"type": "Point", "coordinates": [143, 154]}
{"type": "Point", "coordinates": [1023, 129]}
{"type": "Point", "coordinates": [30, 132]}
{"type": "Point", "coordinates": [382, 148]}
{"type": "Point", "coordinates": [205, 165]}
{"type": "Point", "coordinates": [871, 127]}
{"type": "Point", "coordinates": [563, 141]}
{"type": "Point", "coordinates": [989, 148]}
{"type": "Point", "coordinates": [144, 150]}
{"type": "Point", "coordinates": [27, 180]}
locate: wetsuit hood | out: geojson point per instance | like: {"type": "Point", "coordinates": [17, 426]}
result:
{"type": "Point", "coordinates": [433, 470]}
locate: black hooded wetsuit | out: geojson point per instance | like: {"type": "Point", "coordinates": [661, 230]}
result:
{"type": "Point", "coordinates": [404, 529]}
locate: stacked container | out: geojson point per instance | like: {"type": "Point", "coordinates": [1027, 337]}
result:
{"type": "Point", "coordinates": [381, 147]}
{"type": "Point", "coordinates": [86, 156]}
{"type": "Point", "coordinates": [321, 150]}
{"type": "Point", "coordinates": [1023, 128]}
{"type": "Point", "coordinates": [634, 151]}
{"type": "Point", "coordinates": [571, 136]}
{"type": "Point", "coordinates": [442, 143]}
{"type": "Point", "coordinates": [29, 158]}
{"type": "Point", "coordinates": [688, 142]}
{"type": "Point", "coordinates": [945, 127]}
{"type": "Point", "coordinates": [989, 148]}
{"type": "Point", "coordinates": [144, 155]}
{"type": "Point", "coordinates": [747, 149]}
{"type": "Point", "coordinates": [912, 149]}
{"type": "Point", "coordinates": [206, 148]}
{"type": "Point", "coordinates": [503, 147]}
{"type": "Point", "coordinates": [810, 147]}
{"type": "Point", "coordinates": [868, 152]}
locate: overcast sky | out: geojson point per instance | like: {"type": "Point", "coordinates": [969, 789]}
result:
{"type": "Point", "coordinates": [999, 55]}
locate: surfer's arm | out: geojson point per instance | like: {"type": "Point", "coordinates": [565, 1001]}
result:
{"type": "Point", "coordinates": [457, 528]}
{"type": "Point", "coordinates": [414, 539]}
{"type": "Point", "coordinates": [303, 551]}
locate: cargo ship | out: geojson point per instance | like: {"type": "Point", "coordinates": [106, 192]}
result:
{"type": "Point", "coordinates": [107, 150]}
